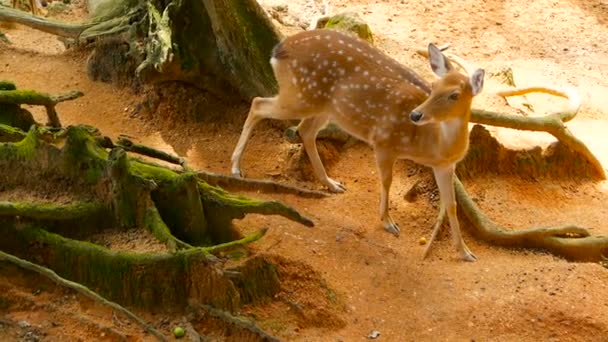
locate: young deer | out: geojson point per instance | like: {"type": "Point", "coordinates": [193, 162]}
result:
{"type": "Point", "coordinates": [327, 75]}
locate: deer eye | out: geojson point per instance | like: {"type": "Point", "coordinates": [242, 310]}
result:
{"type": "Point", "coordinates": [454, 96]}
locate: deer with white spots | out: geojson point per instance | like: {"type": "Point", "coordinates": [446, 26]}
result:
{"type": "Point", "coordinates": [325, 75]}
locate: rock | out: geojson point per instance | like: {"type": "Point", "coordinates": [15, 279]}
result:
{"type": "Point", "coordinates": [348, 22]}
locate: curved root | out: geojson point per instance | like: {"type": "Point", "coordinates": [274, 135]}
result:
{"type": "Point", "coordinates": [571, 242]}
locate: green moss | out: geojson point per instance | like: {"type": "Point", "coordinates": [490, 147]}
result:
{"type": "Point", "coordinates": [53, 212]}
{"type": "Point", "coordinates": [151, 171]}
{"type": "Point", "coordinates": [103, 10]}
{"type": "Point", "coordinates": [155, 224]}
{"type": "Point", "coordinates": [351, 22]}
{"type": "Point", "coordinates": [7, 85]}
{"type": "Point", "coordinates": [82, 154]}
{"type": "Point", "coordinates": [145, 280]}
{"type": "Point", "coordinates": [9, 133]}
{"type": "Point", "coordinates": [181, 208]}
{"type": "Point", "coordinates": [26, 148]}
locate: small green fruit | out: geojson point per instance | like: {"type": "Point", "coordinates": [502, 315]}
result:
{"type": "Point", "coordinates": [179, 332]}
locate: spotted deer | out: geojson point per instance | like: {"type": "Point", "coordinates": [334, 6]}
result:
{"type": "Point", "coordinates": [326, 75]}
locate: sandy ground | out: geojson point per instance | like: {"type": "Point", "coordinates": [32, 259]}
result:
{"type": "Point", "coordinates": [505, 296]}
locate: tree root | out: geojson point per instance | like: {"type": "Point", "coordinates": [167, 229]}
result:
{"type": "Point", "coordinates": [240, 323]}
{"type": "Point", "coordinates": [130, 146]}
{"type": "Point", "coordinates": [155, 224]}
{"type": "Point", "coordinates": [552, 123]}
{"type": "Point", "coordinates": [51, 212]}
{"type": "Point", "coordinates": [238, 206]}
{"type": "Point", "coordinates": [53, 27]}
{"type": "Point", "coordinates": [244, 241]}
{"type": "Point", "coordinates": [80, 289]}
{"type": "Point", "coordinates": [265, 186]}
{"type": "Point", "coordinates": [570, 242]}
{"type": "Point", "coordinates": [30, 97]}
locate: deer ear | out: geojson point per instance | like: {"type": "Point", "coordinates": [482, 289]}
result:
{"type": "Point", "coordinates": [439, 63]}
{"type": "Point", "coordinates": [476, 81]}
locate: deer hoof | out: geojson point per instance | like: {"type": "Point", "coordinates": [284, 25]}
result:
{"type": "Point", "coordinates": [468, 256]}
{"type": "Point", "coordinates": [335, 186]}
{"type": "Point", "coordinates": [392, 228]}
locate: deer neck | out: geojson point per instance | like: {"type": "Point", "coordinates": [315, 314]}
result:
{"type": "Point", "coordinates": [453, 138]}
{"type": "Point", "coordinates": [439, 143]}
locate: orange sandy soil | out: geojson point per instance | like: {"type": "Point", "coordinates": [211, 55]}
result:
{"type": "Point", "coordinates": [505, 296]}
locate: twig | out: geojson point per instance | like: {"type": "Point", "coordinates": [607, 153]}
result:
{"type": "Point", "coordinates": [80, 289]}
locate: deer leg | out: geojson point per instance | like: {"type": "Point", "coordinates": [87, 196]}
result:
{"type": "Point", "coordinates": [436, 229]}
{"type": "Point", "coordinates": [385, 161]}
{"type": "Point", "coordinates": [261, 108]}
{"type": "Point", "coordinates": [33, 7]}
{"type": "Point", "coordinates": [308, 130]}
{"type": "Point", "coordinates": [445, 181]}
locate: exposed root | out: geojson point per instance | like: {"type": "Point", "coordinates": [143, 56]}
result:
{"type": "Point", "coordinates": [244, 241]}
{"type": "Point", "coordinates": [239, 323]}
{"type": "Point", "coordinates": [51, 212]}
{"type": "Point", "coordinates": [571, 242]}
{"type": "Point", "coordinates": [10, 15]}
{"type": "Point", "coordinates": [154, 223]}
{"type": "Point", "coordinates": [130, 146]}
{"type": "Point", "coordinates": [30, 97]}
{"type": "Point", "coordinates": [80, 289]}
{"type": "Point", "coordinates": [552, 123]}
{"type": "Point", "coordinates": [265, 186]}
{"type": "Point", "coordinates": [239, 206]}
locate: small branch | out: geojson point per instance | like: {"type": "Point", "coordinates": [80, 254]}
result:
{"type": "Point", "coordinates": [30, 97]}
{"type": "Point", "coordinates": [80, 289]}
{"type": "Point", "coordinates": [246, 240]}
{"type": "Point", "coordinates": [266, 186]}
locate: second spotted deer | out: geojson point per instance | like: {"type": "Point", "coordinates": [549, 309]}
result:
{"type": "Point", "coordinates": [326, 75]}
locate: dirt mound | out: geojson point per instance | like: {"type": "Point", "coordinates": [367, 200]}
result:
{"type": "Point", "coordinates": [304, 300]}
